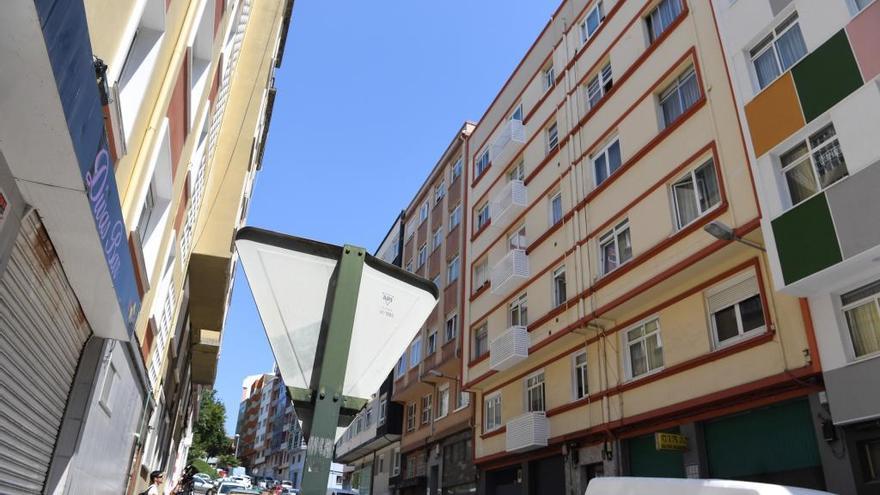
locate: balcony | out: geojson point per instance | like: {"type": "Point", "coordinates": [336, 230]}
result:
{"type": "Point", "coordinates": [509, 348]}
{"type": "Point", "coordinates": [510, 271]}
{"type": "Point", "coordinates": [509, 142]}
{"type": "Point", "coordinates": [511, 199]}
{"type": "Point", "coordinates": [527, 432]}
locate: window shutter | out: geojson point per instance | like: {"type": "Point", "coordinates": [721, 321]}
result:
{"type": "Point", "coordinates": [734, 293]}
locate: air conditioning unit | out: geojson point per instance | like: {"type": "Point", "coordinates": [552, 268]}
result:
{"type": "Point", "coordinates": [527, 432]}
{"type": "Point", "coordinates": [509, 348]}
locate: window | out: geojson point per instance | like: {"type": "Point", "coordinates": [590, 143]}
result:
{"type": "Point", "coordinates": [481, 341]}
{"type": "Point", "coordinates": [456, 170]}
{"type": "Point", "coordinates": [599, 85]}
{"type": "Point", "coordinates": [452, 271]}
{"type": "Point", "coordinates": [517, 312]}
{"type": "Point", "coordinates": [443, 400]}
{"type": "Point", "coordinates": [482, 163]}
{"type": "Point", "coordinates": [517, 113]}
{"type": "Point", "coordinates": [409, 265]}
{"type": "Point", "coordinates": [778, 51]}
{"type": "Point", "coordinates": [552, 137]}
{"type": "Point", "coordinates": [736, 310]}
{"type": "Point", "coordinates": [606, 161]}
{"type": "Point", "coordinates": [395, 465]}
{"type": "Point", "coordinates": [437, 238]}
{"type": "Point", "coordinates": [462, 398]}
{"type": "Point", "coordinates": [455, 217]}
{"type": "Point", "coordinates": [481, 274]}
{"type": "Point", "coordinates": [427, 406]}
{"type": "Point", "coordinates": [156, 206]}
{"type": "Point", "coordinates": [695, 194]}
{"type": "Point", "coordinates": [432, 343]}
{"type": "Point", "coordinates": [423, 255]}
{"type": "Point", "coordinates": [861, 309]}
{"type": "Point", "coordinates": [381, 463]}
{"type": "Point", "coordinates": [415, 352]}
{"type": "Point", "coordinates": [383, 409]}
{"type": "Point", "coordinates": [436, 280]}
{"type": "Point", "coordinates": [661, 17]}
{"type": "Point", "coordinates": [517, 239]}
{"type": "Point", "coordinates": [535, 392]}
{"type": "Point", "coordinates": [579, 362]}
{"type": "Point", "coordinates": [679, 96]}
{"type": "Point", "coordinates": [492, 412]}
{"type": "Point", "coordinates": [107, 387]}
{"type": "Point", "coordinates": [146, 219]}
{"type": "Point", "coordinates": [439, 192]}
{"type": "Point", "coordinates": [410, 229]}
{"type": "Point", "coordinates": [869, 451]}
{"type": "Point", "coordinates": [559, 296]}
{"type": "Point", "coordinates": [556, 209]}
{"type": "Point", "coordinates": [813, 164]}
{"type": "Point", "coordinates": [483, 216]}
{"type": "Point", "coordinates": [137, 70]}
{"type": "Point", "coordinates": [615, 248]}
{"type": "Point", "coordinates": [644, 351]}
{"type": "Point", "coordinates": [591, 23]}
{"type": "Point", "coordinates": [548, 78]}
{"type": "Point", "coordinates": [423, 212]}
{"type": "Point", "coordinates": [517, 172]}
{"type": "Point", "coordinates": [451, 328]}
{"type": "Point", "coordinates": [411, 416]}
{"type": "Point", "coordinates": [368, 416]}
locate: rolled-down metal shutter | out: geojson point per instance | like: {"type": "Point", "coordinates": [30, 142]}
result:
{"type": "Point", "coordinates": [42, 334]}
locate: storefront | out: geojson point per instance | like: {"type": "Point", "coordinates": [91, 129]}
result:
{"type": "Point", "coordinates": [646, 459]}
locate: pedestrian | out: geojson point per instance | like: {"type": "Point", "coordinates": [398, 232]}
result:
{"type": "Point", "coordinates": [157, 479]}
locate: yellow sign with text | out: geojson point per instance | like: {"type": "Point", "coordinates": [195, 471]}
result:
{"type": "Point", "coordinates": [670, 441]}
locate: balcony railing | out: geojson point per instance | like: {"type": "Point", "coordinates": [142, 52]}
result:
{"type": "Point", "coordinates": [509, 141]}
{"type": "Point", "coordinates": [511, 270]}
{"type": "Point", "coordinates": [509, 348]}
{"type": "Point", "coordinates": [512, 198]}
{"type": "Point", "coordinates": [527, 432]}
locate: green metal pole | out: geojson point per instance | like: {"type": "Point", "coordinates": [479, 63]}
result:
{"type": "Point", "coordinates": [328, 397]}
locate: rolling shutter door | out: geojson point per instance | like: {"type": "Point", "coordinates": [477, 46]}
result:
{"type": "Point", "coordinates": [42, 334]}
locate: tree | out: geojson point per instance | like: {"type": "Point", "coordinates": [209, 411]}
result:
{"type": "Point", "coordinates": [209, 436]}
{"type": "Point", "coordinates": [228, 460]}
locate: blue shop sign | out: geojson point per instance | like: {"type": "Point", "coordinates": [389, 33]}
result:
{"type": "Point", "coordinates": [100, 182]}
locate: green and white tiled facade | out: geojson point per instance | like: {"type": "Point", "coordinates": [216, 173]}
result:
{"type": "Point", "coordinates": [805, 76]}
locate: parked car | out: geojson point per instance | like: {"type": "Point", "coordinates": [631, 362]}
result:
{"type": "Point", "coordinates": [667, 486]}
{"type": "Point", "coordinates": [202, 484]}
{"type": "Point", "coordinates": [245, 491]}
{"type": "Point", "coordinates": [225, 488]}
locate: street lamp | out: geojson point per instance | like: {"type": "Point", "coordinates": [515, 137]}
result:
{"type": "Point", "coordinates": [237, 438]}
{"type": "Point", "coordinates": [724, 232]}
{"type": "Point", "coordinates": [337, 320]}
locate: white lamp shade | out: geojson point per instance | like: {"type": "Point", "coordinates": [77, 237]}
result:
{"type": "Point", "coordinates": [290, 278]}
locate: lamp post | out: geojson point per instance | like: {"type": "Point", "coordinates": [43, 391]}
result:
{"type": "Point", "coordinates": [724, 232]}
{"type": "Point", "coordinates": [237, 438]}
{"type": "Point", "coordinates": [336, 318]}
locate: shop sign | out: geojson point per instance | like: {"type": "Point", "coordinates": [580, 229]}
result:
{"type": "Point", "coordinates": [100, 182]}
{"type": "Point", "coordinates": [670, 441]}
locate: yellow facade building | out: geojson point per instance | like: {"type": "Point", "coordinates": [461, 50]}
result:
{"type": "Point", "coordinates": [601, 309]}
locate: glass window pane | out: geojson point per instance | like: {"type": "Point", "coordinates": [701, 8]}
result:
{"type": "Point", "coordinates": [791, 47]}
{"type": "Point", "coordinates": [609, 257]}
{"type": "Point", "coordinates": [751, 311]}
{"type": "Point", "coordinates": [671, 108]}
{"type": "Point", "coordinates": [601, 169]}
{"type": "Point", "coordinates": [635, 333]}
{"type": "Point", "coordinates": [725, 324]}
{"type": "Point", "coordinates": [685, 201]}
{"type": "Point", "coordinates": [864, 328]}
{"type": "Point", "coordinates": [801, 182]}
{"type": "Point", "coordinates": [624, 246]}
{"type": "Point", "coordinates": [707, 186]}
{"type": "Point", "coordinates": [766, 68]}
{"type": "Point", "coordinates": [830, 164]}
{"type": "Point", "coordinates": [655, 352]}
{"type": "Point", "coordinates": [861, 293]}
{"type": "Point", "coordinates": [614, 157]}
{"type": "Point", "coordinates": [638, 360]}
{"type": "Point", "coordinates": [690, 91]}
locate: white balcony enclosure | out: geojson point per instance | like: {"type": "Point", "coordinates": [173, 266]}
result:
{"type": "Point", "coordinates": [511, 199]}
{"type": "Point", "coordinates": [509, 348]}
{"type": "Point", "coordinates": [509, 141]}
{"type": "Point", "coordinates": [510, 271]}
{"type": "Point", "coordinates": [527, 432]}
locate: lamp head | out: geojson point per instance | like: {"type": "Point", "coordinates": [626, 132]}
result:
{"type": "Point", "coordinates": [720, 230]}
{"type": "Point", "coordinates": [436, 373]}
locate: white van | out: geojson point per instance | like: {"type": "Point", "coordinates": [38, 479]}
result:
{"type": "Point", "coordinates": [668, 486]}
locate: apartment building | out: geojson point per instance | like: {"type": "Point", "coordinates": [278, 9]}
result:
{"type": "Point", "coordinates": [608, 331]}
{"type": "Point", "coordinates": [437, 412]}
{"type": "Point", "coordinates": [805, 79]}
{"type": "Point", "coordinates": [136, 122]}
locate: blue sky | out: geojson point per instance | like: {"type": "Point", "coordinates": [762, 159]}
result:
{"type": "Point", "coordinates": [369, 95]}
